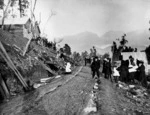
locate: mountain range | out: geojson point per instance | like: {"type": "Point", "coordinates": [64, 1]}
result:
{"type": "Point", "coordinates": [86, 40]}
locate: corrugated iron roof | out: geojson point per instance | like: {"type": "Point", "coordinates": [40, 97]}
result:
{"type": "Point", "coordinates": [15, 21]}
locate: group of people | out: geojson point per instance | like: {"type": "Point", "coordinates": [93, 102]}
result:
{"type": "Point", "coordinates": [107, 69]}
{"type": "Point", "coordinates": [95, 68]}
{"type": "Point", "coordinates": [128, 71]}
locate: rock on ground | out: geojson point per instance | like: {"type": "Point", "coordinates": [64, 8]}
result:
{"type": "Point", "coordinates": [70, 95]}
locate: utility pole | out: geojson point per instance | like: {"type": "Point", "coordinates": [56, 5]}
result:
{"type": "Point", "coordinates": [149, 29]}
{"type": "Point", "coordinates": [20, 8]}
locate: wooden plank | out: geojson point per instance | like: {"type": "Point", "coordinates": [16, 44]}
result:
{"type": "Point", "coordinates": [58, 64]}
{"type": "Point", "coordinates": [26, 48]}
{"type": "Point", "coordinates": [15, 71]}
{"type": "Point", "coordinates": [7, 93]}
{"type": "Point", "coordinates": [12, 66]}
{"type": "Point", "coordinates": [47, 68]}
{"type": "Point", "coordinates": [3, 88]}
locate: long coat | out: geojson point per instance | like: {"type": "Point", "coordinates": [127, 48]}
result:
{"type": "Point", "coordinates": [123, 71]}
{"type": "Point", "coordinates": [95, 65]}
{"type": "Point", "coordinates": [104, 67]}
{"type": "Point", "coordinates": [142, 76]}
{"type": "Point", "coordinates": [108, 68]}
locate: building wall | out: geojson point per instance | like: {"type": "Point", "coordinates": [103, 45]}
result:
{"type": "Point", "coordinates": [27, 33]}
{"type": "Point", "coordinates": [16, 30]}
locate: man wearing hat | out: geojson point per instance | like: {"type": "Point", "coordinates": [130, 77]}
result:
{"type": "Point", "coordinates": [141, 71]}
{"type": "Point", "coordinates": [104, 67]}
{"type": "Point", "coordinates": [95, 66]}
{"type": "Point", "coordinates": [132, 69]}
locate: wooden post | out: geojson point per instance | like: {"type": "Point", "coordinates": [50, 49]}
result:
{"type": "Point", "coordinates": [12, 66]}
{"type": "Point", "coordinates": [47, 68]}
{"type": "Point", "coordinates": [26, 48]}
{"type": "Point", "coordinates": [3, 88]}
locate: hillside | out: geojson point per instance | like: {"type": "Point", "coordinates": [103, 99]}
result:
{"type": "Point", "coordinates": [82, 41]}
{"type": "Point", "coordinates": [85, 40]}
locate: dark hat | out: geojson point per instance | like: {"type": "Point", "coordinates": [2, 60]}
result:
{"type": "Point", "coordinates": [130, 57]}
{"type": "Point", "coordinates": [141, 61]}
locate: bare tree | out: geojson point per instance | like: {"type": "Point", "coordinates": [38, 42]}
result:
{"type": "Point", "coordinates": [32, 10]}
{"type": "Point", "coordinates": [39, 19]}
{"type": "Point", "coordinates": [5, 13]}
{"type": "Point", "coordinates": [23, 4]}
{"type": "Point", "coordinates": [34, 5]}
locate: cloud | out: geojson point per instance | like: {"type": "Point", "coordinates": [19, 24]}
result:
{"type": "Point", "coordinates": [103, 46]}
{"type": "Point", "coordinates": [99, 16]}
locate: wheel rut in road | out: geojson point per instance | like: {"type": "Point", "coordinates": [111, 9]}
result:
{"type": "Point", "coordinates": [69, 96]}
{"type": "Point", "coordinates": [108, 99]}
{"type": "Point", "coordinates": [72, 98]}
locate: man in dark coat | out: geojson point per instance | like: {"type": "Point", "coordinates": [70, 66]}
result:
{"type": "Point", "coordinates": [104, 67]}
{"type": "Point", "coordinates": [123, 71]}
{"type": "Point", "coordinates": [142, 76]}
{"type": "Point", "coordinates": [95, 66]}
{"type": "Point", "coordinates": [108, 70]}
{"type": "Point", "coordinates": [85, 61]}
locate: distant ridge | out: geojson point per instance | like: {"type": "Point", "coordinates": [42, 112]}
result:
{"type": "Point", "coordinates": [85, 40]}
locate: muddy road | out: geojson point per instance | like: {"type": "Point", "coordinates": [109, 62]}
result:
{"type": "Point", "coordinates": [67, 95]}
{"type": "Point", "coordinates": [71, 95]}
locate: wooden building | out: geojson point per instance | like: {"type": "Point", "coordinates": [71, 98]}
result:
{"type": "Point", "coordinates": [22, 27]}
{"type": "Point", "coordinates": [20, 31]}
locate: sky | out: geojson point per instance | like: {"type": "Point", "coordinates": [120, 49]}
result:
{"type": "Point", "coordinates": [98, 16]}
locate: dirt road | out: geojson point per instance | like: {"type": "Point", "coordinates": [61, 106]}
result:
{"type": "Point", "coordinates": [64, 96]}
{"type": "Point", "coordinates": [70, 95]}
{"type": "Point", "coordinates": [111, 100]}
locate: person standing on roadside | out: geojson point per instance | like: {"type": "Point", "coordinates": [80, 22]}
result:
{"type": "Point", "coordinates": [104, 67]}
{"type": "Point", "coordinates": [108, 69]}
{"type": "Point", "coordinates": [95, 66]}
{"type": "Point", "coordinates": [142, 76]}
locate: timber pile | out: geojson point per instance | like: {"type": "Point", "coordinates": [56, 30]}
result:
{"type": "Point", "coordinates": [45, 57]}
{"type": "Point", "coordinates": [25, 68]}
